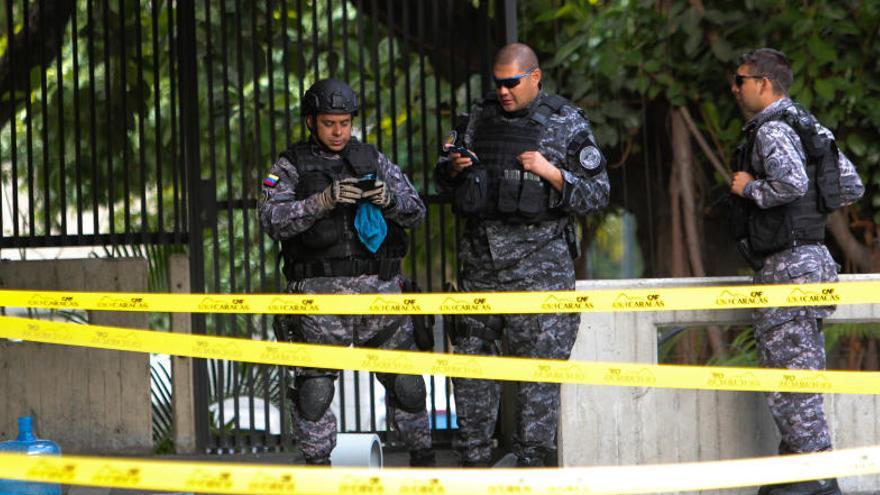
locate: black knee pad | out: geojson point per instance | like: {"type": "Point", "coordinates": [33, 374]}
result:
{"type": "Point", "coordinates": [314, 395]}
{"type": "Point", "coordinates": [409, 392]}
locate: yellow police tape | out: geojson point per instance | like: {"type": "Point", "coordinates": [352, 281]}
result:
{"type": "Point", "coordinates": [231, 478]}
{"type": "Point", "coordinates": [610, 300]}
{"type": "Point", "coordinates": [417, 363]}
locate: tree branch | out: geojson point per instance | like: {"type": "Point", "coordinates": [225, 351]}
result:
{"type": "Point", "coordinates": [698, 136]}
{"type": "Point", "coordinates": [23, 54]}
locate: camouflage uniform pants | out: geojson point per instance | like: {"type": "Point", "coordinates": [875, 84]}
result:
{"type": "Point", "coordinates": [318, 438]}
{"type": "Point", "coordinates": [791, 337]}
{"type": "Point", "coordinates": [549, 336]}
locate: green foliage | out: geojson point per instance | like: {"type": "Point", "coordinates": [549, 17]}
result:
{"type": "Point", "coordinates": [743, 350]}
{"type": "Point", "coordinates": [614, 56]}
{"type": "Point", "coordinates": [612, 252]}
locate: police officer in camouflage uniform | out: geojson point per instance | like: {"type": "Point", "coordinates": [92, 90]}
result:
{"type": "Point", "coordinates": [792, 176]}
{"type": "Point", "coordinates": [538, 165]}
{"type": "Point", "coordinates": [311, 199]}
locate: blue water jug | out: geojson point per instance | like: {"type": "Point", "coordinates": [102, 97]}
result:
{"type": "Point", "coordinates": [28, 443]}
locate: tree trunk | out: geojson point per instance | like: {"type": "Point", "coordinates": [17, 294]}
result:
{"type": "Point", "coordinates": [688, 245]}
{"type": "Point", "coordinates": [863, 258]}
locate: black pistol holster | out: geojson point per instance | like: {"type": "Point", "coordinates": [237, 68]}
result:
{"type": "Point", "coordinates": [490, 325]}
{"type": "Point", "coordinates": [745, 250]}
{"type": "Point", "coordinates": [572, 239]}
{"type": "Point", "coordinates": [423, 325]}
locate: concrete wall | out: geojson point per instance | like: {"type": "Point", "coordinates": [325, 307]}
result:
{"type": "Point", "coordinates": [88, 400]}
{"type": "Point", "coordinates": [626, 425]}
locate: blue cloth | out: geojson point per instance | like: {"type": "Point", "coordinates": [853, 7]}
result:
{"type": "Point", "coordinates": [370, 225]}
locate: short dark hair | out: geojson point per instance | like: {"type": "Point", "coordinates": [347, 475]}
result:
{"type": "Point", "coordinates": [770, 63]}
{"type": "Point", "coordinates": [520, 54]}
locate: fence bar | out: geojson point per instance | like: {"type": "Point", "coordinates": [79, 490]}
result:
{"type": "Point", "coordinates": [13, 120]}
{"type": "Point", "coordinates": [301, 62]}
{"type": "Point", "coordinates": [157, 113]}
{"type": "Point", "coordinates": [77, 147]}
{"type": "Point", "coordinates": [44, 109]}
{"type": "Point", "coordinates": [189, 120]}
{"type": "Point", "coordinates": [179, 186]}
{"type": "Point", "coordinates": [141, 93]}
{"type": "Point", "coordinates": [123, 121]}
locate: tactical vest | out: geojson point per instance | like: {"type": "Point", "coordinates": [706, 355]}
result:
{"type": "Point", "coordinates": [498, 187]}
{"type": "Point", "coordinates": [803, 220]}
{"type": "Point", "coordinates": [331, 246]}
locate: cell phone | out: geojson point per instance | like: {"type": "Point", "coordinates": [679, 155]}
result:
{"type": "Point", "coordinates": [450, 147]}
{"type": "Point", "coordinates": [366, 182]}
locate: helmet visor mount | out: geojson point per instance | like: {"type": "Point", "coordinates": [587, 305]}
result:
{"type": "Point", "coordinates": [330, 96]}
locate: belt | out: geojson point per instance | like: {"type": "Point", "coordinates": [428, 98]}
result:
{"type": "Point", "coordinates": [806, 242]}
{"type": "Point", "coordinates": [354, 267]}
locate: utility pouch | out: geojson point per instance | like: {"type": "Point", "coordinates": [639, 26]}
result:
{"type": "Point", "coordinates": [572, 240]}
{"type": "Point", "coordinates": [321, 234]}
{"type": "Point", "coordinates": [509, 191]}
{"type": "Point", "coordinates": [827, 173]}
{"type": "Point", "coordinates": [472, 193]}
{"type": "Point", "coordinates": [770, 230]}
{"type": "Point", "coordinates": [287, 328]}
{"type": "Point", "coordinates": [533, 197]}
{"type": "Point", "coordinates": [423, 325]}
{"type": "Point", "coordinates": [324, 232]}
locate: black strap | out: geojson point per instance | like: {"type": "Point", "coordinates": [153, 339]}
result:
{"type": "Point", "coordinates": [481, 333]}
{"type": "Point", "coordinates": [549, 105]}
{"type": "Point", "coordinates": [491, 329]}
{"type": "Point", "coordinates": [381, 337]}
{"type": "Point", "coordinates": [384, 268]}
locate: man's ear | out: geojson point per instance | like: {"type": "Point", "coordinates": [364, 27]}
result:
{"type": "Point", "coordinates": [310, 121]}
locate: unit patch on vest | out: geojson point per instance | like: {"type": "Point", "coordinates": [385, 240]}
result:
{"type": "Point", "coordinates": [271, 180]}
{"type": "Point", "coordinates": [590, 158]}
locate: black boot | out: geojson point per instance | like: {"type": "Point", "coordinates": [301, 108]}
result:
{"type": "Point", "coordinates": [482, 463]}
{"type": "Point", "coordinates": [317, 461]}
{"type": "Point", "coordinates": [422, 458]}
{"type": "Point", "coordinates": [535, 457]}
{"type": "Point", "coordinates": [815, 487]}
{"type": "Point", "coordinates": [765, 490]}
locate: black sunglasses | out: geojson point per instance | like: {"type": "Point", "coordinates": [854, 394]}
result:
{"type": "Point", "coordinates": [512, 82]}
{"type": "Point", "coordinates": [739, 79]}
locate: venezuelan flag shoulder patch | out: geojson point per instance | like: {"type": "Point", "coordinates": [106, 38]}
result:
{"type": "Point", "coordinates": [271, 180]}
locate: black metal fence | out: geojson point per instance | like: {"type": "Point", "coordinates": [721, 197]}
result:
{"type": "Point", "coordinates": [135, 122]}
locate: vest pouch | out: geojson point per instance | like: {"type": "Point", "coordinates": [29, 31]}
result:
{"type": "Point", "coordinates": [533, 198]}
{"type": "Point", "coordinates": [770, 230]}
{"type": "Point", "coordinates": [472, 193]}
{"type": "Point", "coordinates": [322, 234]}
{"type": "Point", "coordinates": [509, 191]}
{"type": "Point", "coordinates": [312, 183]}
{"type": "Point", "coordinates": [828, 175]}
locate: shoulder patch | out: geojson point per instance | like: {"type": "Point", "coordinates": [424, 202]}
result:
{"type": "Point", "coordinates": [590, 158]}
{"type": "Point", "coordinates": [271, 180]}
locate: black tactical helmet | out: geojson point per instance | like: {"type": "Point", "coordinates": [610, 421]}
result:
{"type": "Point", "coordinates": [329, 96]}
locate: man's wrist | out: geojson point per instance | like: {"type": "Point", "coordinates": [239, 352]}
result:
{"type": "Point", "coordinates": [747, 190]}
